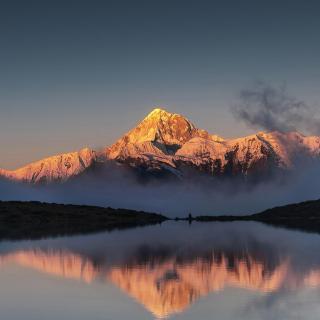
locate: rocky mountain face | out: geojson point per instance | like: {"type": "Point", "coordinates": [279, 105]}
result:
{"type": "Point", "coordinates": [53, 169]}
{"type": "Point", "coordinates": [166, 143]}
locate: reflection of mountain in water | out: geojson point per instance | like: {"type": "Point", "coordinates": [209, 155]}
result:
{"type": "Point", "coordinates": [58, 263]}
{"type": "Point", "coordinates": [170, 285]}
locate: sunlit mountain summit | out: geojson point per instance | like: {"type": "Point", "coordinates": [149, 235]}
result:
{"type": "Point", "coordinates": [166, 144]}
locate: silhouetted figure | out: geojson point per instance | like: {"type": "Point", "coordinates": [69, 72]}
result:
{"type": "Point", "coordinates": [190, 218]}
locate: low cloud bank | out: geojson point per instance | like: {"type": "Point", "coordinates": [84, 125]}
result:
{"type": "Point", "coordinates": [121, 190]}
{"type": "Point", "coordinates": [263, 107]}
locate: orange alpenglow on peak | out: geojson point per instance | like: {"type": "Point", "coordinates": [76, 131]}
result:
{"type": "Point", "coordinates": [55, 168]}
{"type": "Point", "coordinates": [165, 142]}
{"type": "Point", "coordinates": [160, 129]}
{"type": "Point", "coordinates": [158, 111]}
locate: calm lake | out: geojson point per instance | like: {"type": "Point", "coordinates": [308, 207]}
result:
{"type": "Point", "coordinates": [225, 271]}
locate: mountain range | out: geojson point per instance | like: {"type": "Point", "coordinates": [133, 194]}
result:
{"type": "Point", "coordinates": [167, 144]}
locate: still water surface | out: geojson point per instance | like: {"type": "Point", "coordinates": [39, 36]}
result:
{"type": "Point", "coordinates": [225, 271]}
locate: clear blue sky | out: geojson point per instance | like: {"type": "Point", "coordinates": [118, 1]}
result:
{"type": "Point", "coordinates": [81, 73]}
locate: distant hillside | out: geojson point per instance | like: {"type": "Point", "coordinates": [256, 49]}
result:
{"type": "Point", "coordinates": [303, 216]}
{"type": "Point", "coordinates": [302, 210]}
{"type": "Point", "coordinates": [19, 220]}
{"type": "Point", "coordinates": [36, 219]}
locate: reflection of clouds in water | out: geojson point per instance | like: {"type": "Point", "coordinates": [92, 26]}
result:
{"type": "Point", "coordinates": [284, 305]}
{"type": "Point", "coordinates": [171, 273]}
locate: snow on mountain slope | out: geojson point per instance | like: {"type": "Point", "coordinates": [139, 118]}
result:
{"type": "Point", "coordinates": [312, 144]}
{"type": "Point", "coordinates": [171, 139]}
{"type": "Point", "coordinates": [251, 154]}
{"type": "Point", "coordinates": [55, 168]}
{"type": "Point", "coordinates": [154, 141]}
{"type": "Point", "coordinates": [259, 152]}
{"type": "Point", "coordinates": [168, 142]}
{"type": "Point", "coordinates": [205, 154]}
{"type": "Point", "coordinates": [4, 173]}
{"type": "Point", "coordinates": [291, 146]}
{"type": "Point", "coordinates": [235, 156]}
{"type": "Point", "coordinates": [165, 131]}
{"type": "Point", "coordinates": [144, 151]}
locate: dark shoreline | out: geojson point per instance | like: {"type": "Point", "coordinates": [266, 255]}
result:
{"type": "Point", "coordinates": [33, 220]}
{"type": "Point", "coordinates": [303, 216]}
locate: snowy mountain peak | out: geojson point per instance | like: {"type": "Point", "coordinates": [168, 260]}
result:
{"type": "Point", "coordinates": [158, 112]}
{"type": "Point", "coordinates": [165, 142]}
{"type": "Point", "coordinates": [56, 168]}
{"type": "Point", "coordinates": [161, 129]}
{"type": "Point", "coordinates": [168, 128]}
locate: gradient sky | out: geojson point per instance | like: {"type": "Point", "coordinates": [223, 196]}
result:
{"type": "Point", "coordinates": [81, 73]}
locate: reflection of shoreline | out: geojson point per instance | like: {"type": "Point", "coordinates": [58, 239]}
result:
{"type": "Point", "coordinates": [18, 218]}
{"type": "Point", "coordinates": [169, 286]}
